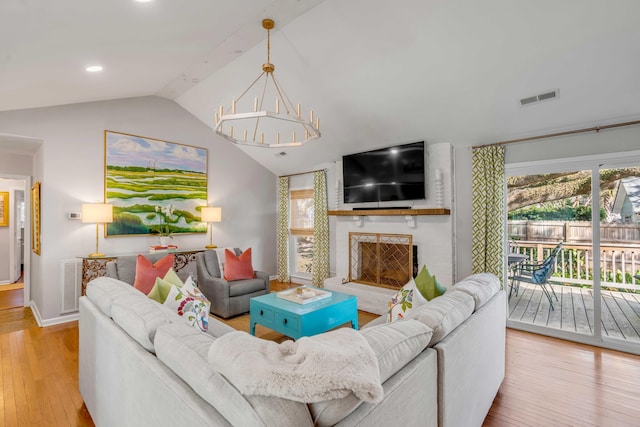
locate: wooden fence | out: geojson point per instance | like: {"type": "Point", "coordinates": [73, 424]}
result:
{"type": "Point", "coordinates": [571, 231]}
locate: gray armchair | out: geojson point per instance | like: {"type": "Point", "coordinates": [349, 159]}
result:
{"type": "Point", "coordinates": [228, 298]}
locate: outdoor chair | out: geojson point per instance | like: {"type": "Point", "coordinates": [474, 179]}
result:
{"type": "Point", "coordinates": [537, 274]}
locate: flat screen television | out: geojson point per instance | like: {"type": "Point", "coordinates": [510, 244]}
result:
{"type": "Point", "coordinates": [388, 174]}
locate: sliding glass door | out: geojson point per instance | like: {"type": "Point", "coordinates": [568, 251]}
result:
{"type": "Point", "coordinates": [591, 206]}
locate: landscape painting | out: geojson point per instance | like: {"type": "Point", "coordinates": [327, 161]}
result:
{"type": "Point", "coordinates": [155, 186]}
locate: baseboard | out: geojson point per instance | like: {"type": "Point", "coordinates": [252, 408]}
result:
{"type": "Point", "coordinates": [53, 321]}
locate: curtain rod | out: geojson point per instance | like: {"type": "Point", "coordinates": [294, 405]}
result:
{"type": "Point", "coordinates": [302, 173]}
{"type": "Point", "coordinates": [552, 135]}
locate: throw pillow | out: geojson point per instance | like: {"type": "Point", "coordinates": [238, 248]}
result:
{"type": "Point", "coordinates": [405, 300]}
{"type": "Point", "coordinates": [172, 277]}
{"type": "Point", "coordinates": [146, 272]}
{"type": "Point", "coordinates": [160, 290]}
{"type": "Point", "coordinates": [238, 267]}
{"type": "Point", "coordinates": [428, 285]}
{"type": "Point", "coordinates": [190, 304]}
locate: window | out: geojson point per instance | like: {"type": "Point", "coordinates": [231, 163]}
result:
{"type": "Point", "coordinates": [301, 230]}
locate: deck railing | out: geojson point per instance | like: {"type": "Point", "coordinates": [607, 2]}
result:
{"type": "Point", "coordinates": [574, 266]}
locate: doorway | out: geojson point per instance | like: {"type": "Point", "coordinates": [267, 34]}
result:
{"type": "Point", "coordinates": [588, 204]}
{"type": "Point", "coordinates": [14, 277]}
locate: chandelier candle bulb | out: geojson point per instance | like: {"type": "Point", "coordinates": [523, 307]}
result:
{"type": "Point", "coordinates": [306, 133]}
{"type": "Point", "coordinates": [318, 123]}
{"type": "Point", "coordinates": [278, 138]}
{"type": "Point", "coordinates": [293, 137]}
{"type": "Point", "coordinates": [255, 105]}
{"type": "Point", "coordinates": [311, 116]}
{"type": "Point", "coordinates": [262, 139]}
{"type": "Point", "coordinates": [298, 111]}
{"type": "Point", "coordinates": [245, 135]}
{"type": "Point", "coordinates": [233, 106]}
{"type": "Point", "coordinates": [231, 131]}
{"type": "Point", "coordinates": [215, 118]}
{"type": "Point", "coordinates": [277, 106]}
{"type": "Point", "coordinates": [221, 112]}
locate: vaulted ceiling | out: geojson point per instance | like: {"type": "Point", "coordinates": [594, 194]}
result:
{"type": "Point", "coordinates": [377, 72]}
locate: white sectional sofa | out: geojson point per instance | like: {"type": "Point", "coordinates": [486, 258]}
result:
{"type": "Point", "coordinates": [141, 365]}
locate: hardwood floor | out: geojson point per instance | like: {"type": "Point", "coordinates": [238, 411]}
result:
{"type": "Point", "coordinates": [549, 382]}
{"type": "Point", "coordinates": [11, 299]}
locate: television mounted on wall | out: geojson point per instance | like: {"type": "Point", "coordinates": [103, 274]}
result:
{"type": "Point", "coordinates": [388, 174]}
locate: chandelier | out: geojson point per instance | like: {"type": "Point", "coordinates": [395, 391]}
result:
{"type": "Point", "coordinates": [270, 119]}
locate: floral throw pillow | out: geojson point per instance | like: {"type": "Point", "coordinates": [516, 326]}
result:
{"type": "Point", "coordinates": [404, 301]}
{"type": "Point", "coordinates": [190, 304]}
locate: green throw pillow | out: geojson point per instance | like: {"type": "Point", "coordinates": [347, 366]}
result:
{"type": "Point", "coordinates": [160, 290]}
{"type": "Point", "coordinates": [172, 277]}
{"type": "Point", "coordinates": [428, 285]}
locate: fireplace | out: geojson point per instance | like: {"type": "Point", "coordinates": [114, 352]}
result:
{"type": "Point", "coordinates": [385, 260]}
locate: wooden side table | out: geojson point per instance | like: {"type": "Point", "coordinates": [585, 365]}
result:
{"type": "Point", "coordinates": [93, 267]}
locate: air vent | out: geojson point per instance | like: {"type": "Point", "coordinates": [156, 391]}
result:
{"type": "Point", "coordinates": [546, 96]}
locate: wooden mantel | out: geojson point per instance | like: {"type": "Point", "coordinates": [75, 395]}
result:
{"type": "Point", "coordinates": [391, 212]}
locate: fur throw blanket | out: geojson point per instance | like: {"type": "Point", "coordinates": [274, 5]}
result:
{"type": "Point", "coordinates": [313, 369]}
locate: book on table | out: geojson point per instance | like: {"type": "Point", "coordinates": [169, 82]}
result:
{"type": "Point", "coordinates": [162, 248]}
{"type": "Point", "coordinates": [304, 294]}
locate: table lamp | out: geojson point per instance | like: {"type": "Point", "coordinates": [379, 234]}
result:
{"type": "Point", "coordinates": [210, 215]}
{"type": "Point", "coordinates": [97, 213]}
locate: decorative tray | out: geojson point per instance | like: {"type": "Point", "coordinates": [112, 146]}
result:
{"type": "Point", "coordinates": [304, 294]}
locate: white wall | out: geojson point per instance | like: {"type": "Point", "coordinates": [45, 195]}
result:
{"type": "Point", "coordinates": [70, 166]}
{"type": "Point", "coordinates": [434, 235]}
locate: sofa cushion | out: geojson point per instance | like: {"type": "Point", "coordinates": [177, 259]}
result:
{"type": "Point", "coordinates": [445, 313]}
{"type": "Point", "coordinates": [395, 344]}
{"type": "Point", "coordinates": [428, 285]}
{"type": "Point", "coordinates": [102, 291]}
{"type": "Point", "coordinates": [146, 271]}
{"type": "Point", "coordinates": [238, 267]}
{"type": "Point", "coordinates": [481, 287]}
{"type": "Point", "coordinates": [184, 350]}
{"type": "Point", "coordinates": [140, 317]}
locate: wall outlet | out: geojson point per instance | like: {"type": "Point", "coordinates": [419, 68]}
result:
{"type": "Point", "coordinates": [74, 215]}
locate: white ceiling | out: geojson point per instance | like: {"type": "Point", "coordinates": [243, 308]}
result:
{"type": "Point", "coordinates": [377, 72]}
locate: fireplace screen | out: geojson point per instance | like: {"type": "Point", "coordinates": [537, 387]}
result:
{"type": "Point", "coordinates": [380, 259]}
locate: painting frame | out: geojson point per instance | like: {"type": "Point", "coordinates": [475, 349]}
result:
{"type": "Point", "coordinates": [35, 218]}
{"type": "Point", "coordinates": [4, 208]}
{"type": "Point", "coordinates": [156, 187]}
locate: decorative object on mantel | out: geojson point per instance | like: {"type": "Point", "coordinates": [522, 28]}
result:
{"type": "Point", "coordinates": [260, 127]}
{"type": "Point", "coordinates": [97, 213]}
{"type": "Point", "coordinates": [210, 214]}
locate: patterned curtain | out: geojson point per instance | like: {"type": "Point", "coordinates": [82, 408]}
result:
{"type": "Point", "coordinates": [320, 263]}
{"type": "Point", "coordinates": [488, 210]}
{"type": "Point", "coordinates": [283, 229]}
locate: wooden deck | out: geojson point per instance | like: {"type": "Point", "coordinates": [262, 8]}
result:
{"type": "Point", "coordinates": [574, 310]}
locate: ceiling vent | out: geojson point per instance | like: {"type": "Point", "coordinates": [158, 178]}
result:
{"type": "Point", "coordinates": [280, 154]}
{"type": "Point", "coordinates": [546, 96]}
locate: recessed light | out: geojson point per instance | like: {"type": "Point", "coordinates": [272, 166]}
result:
{"type": "Point", "coordinates": [94, 68]}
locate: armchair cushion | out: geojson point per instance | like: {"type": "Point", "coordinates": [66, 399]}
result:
{"type": "Point", "coordinates": [244, 287]}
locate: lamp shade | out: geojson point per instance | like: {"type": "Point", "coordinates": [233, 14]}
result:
{"type": "Point", "coordinates": [211, 214]}
{"type": "Point", "coordinates": [97, 213]}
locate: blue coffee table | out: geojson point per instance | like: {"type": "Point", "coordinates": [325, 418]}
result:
{"type": "Point", "coordinates": [299, 320]}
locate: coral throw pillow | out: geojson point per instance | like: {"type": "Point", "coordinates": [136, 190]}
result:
{"type": "Point", "coordinates": [238, 267]}
{"type": "Point", "coordinates": [146, 272]}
